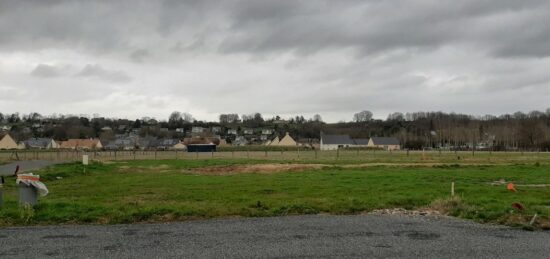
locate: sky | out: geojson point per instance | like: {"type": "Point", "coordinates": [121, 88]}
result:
{"type": "Point", "coordinates": [137, 58]}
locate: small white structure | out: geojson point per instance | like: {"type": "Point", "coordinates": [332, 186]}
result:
{"type": "Point", "coordinates": [85, 159]}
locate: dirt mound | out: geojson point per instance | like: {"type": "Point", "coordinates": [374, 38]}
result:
{"type": "Point", "coordinates": [259, 168]}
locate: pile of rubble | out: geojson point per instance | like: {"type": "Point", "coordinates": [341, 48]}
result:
{"type": "Point", "coordinates": [401, 211]}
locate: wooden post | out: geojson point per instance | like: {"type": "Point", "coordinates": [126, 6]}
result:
{"type": "Point", "coordinates": [453, 189]}
{"type": "Point", "coordinates": [315, 154]}
{"type": "Point", "coordinates": [337, 153]}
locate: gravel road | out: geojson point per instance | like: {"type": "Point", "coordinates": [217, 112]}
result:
{"type": "Point", "coordinates": [319, 236]}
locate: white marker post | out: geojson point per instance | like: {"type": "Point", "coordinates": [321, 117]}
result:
{"type": "Point", "coordinates": [453, 189]}
{"type": "Point", "coordinates": [85, 160]}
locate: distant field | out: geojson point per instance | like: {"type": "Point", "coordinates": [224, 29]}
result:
{"type": "Point", "coordinates": [166, 190]}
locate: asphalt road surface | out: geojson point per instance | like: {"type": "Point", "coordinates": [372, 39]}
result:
{"type": "Point", "coordinates": [321, 236]}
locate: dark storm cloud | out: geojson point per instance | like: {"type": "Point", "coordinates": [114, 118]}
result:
{"type": "Point", "coordinates": [375, 26]}
{"type": "Point", "coordinates": [503, 28]}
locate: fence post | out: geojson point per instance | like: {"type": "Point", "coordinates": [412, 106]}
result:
{"type": "Point", "coordinates": [337, 153]}
{"type": "Point", "coordinates": [315, 154]}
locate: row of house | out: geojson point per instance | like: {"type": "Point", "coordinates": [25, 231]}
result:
{"type": "Point", "coordinates": [334, 142]}
{"type": "Point", "coordinates": [129, 142]}
{"type": "Point", "coordinates": [7, 142]}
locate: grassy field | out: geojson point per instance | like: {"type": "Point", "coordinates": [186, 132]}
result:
{"type": "Point", "coordinates": [167, 190]}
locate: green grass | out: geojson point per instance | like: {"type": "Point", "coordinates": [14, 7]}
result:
{"type": "Point", "coordinates": [165, 190]}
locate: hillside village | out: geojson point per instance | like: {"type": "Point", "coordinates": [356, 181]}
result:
{"type": "Point", "coordinates": [399, 131]}
{"type": "Point", "coordinates": [135, 142]}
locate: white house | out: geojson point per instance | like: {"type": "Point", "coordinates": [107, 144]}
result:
{"type": "Point", "coordinates": [334, 142]}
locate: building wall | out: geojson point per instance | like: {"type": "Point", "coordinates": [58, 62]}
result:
{"type": "Point", "coordinates": [328, 147]}
{"type": "Point", "coordinates": [385, 147]}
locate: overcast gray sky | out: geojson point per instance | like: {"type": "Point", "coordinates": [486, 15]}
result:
{"type": "Point", "coordinates": [148, 58]}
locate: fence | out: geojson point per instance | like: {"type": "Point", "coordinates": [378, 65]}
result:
{"type": "Point", "coordinates": [356, 155]}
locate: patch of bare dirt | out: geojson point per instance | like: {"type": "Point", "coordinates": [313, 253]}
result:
{"type": "Point", "coordinates": [259, 168]}
{"type": "Point", "coordinates": [163, 168]}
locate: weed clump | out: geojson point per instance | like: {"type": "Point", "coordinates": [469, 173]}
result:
{"type": "Point", "coordinates": [453, 206]}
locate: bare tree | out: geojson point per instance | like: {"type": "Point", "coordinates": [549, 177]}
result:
{"type": "Point", "coordinates": [362, 116]}
{"type": "Point", "coordinates": [317, 118]}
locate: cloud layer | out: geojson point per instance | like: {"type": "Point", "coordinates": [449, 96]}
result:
{"type": "Point", "coordinates": [275, 57]}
